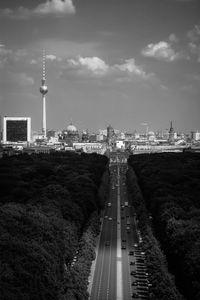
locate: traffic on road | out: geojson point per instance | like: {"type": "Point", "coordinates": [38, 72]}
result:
{"type": "Point", "coordinates": [120, 269]}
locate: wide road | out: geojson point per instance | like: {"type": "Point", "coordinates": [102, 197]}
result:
{"type": "Point", "coordinates": [112, 279]}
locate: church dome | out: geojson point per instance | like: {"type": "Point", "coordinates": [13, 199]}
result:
{"type": "Point", "coordinates": [151, 133]}
{"type": "Point", "coordinates": [71, 128]}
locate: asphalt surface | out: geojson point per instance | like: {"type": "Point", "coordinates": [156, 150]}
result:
{"type": "Point", "coordinates": [112, 276]}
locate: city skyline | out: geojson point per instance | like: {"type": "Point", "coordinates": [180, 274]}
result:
{"type": "Point", "coordinates": [122, 63]}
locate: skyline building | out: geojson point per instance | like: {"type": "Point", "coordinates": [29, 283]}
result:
{"type": "Point", "coordinates": [171, 138]}
{"type": "Point", "coordinates": [43, 91]}
{"type": "Point", "coordinates": [110, 134]}
{"type": "Point", "coordinates": [16, 129]}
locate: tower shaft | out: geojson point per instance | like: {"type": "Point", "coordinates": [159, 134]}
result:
{"type": "Point", "coordinates": [44, 121]}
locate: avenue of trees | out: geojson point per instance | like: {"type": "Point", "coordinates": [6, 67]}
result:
{"type": "Point", "coordinates": [49, 206]}
{"type": "Point", "coordinates": [170, 193]}
{"type": "Point", "coordinates": [163, 285]}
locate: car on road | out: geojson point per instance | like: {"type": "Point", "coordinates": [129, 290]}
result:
{"type": "Point", "coordinates": [110, 219]}
{"type": "Point", "coordinates": [123, 247]}
{"type": "Point", "coordinates": [131, 252]}
{"type": "Point", "coordinates": [135, 295]}
{"type": "Point", "coordinates": [107, 243]}
{"type": "Point", "coordinates": [133, 273]}
{"type": "Point", "coordinates": [142, 288]}
{"type": "Point", "coordinates": [135, 245]}
{"type": "Point", "coordinates": [142, 282]}
{"type": "Point", "coordinates": [105, 217]}
{"type": "Point", "coordinates": [123, 241]}
{"type": "Point", "coordinates": [109, 204]}
{"type": "Point", "coordinates": [141, 277]}
{"type": "Point", "coordinates": [140, 258]}
{"type": "Point", "coordinates": [145, 297]}
{"type": "Point", "coordinates": [142, 273]}
{"type": "Point", "coordinates": [132, 263]}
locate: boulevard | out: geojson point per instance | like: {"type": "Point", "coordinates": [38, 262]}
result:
{"type": "Point", "coordinates": [115, 260]}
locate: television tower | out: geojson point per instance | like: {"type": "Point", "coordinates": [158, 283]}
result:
{"type": "Point", "coordinates": [43, 91]}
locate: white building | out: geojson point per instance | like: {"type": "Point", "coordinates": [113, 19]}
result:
{"type": "Point", "coordinates": [90, 147]}
{"type": "Point", "coordinates": [120, 144]}
{"type": "Point", "coordinates": [195, 135]}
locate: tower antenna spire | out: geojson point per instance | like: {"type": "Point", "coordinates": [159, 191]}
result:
{"type": "Point", "coordinates": [44, 66]}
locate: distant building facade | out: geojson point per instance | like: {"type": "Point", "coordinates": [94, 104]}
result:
{"type": "Point", "coordinates": [172, 134]}
{"type": "Point", "coordinates": [16, 129]}
{"type": "Point", "coordinates": [70, 135]}
{"type": "Point", "coordinates": [110, 134]}
{"type": "Point", "coordinates": [195, 135]}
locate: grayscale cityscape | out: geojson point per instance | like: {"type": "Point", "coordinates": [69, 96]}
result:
{"type": "Point", "coordinates": [99, 150]}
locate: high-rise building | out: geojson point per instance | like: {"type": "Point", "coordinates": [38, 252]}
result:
{"type": "Point", "coordinates": [110, 134]}
{"type": "Point", "coordinates": [43, 91]}
{"type": "Point", "coordinates": [16, 129]}
{"type": "Point", "coordinates": [171, 134]}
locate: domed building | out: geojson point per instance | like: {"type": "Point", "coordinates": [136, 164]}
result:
{"type": "Point", "coordinates": [71, 129]}
{"type": "Point", "coordinates": [151, 136]}
{"type": "Point", "coordinates": [71, 134]}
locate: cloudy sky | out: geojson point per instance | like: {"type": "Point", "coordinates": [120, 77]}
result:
{"type": "Point", "coordinates": [118, 62]}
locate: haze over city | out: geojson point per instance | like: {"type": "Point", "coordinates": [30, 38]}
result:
{"type": "Point", "coordinates": [108, 62]}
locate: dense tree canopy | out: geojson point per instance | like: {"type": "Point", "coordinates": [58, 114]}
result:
{"type": "Point", "coordinates": [170, 184]}
{"type": "Point", "coordinates": [46, 202]}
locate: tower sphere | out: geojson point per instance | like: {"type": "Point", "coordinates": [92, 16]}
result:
{"type": "Point", "coordinates": [43, 89]}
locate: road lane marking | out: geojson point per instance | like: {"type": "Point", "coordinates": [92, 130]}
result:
{"type": "Point", "coordinates": [110, 253]}
{"type": "Point", "coordinates": [119, 278]}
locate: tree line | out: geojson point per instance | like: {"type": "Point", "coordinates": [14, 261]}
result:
{"type": "Point", "coordinates": [49, 205]}
{"type": "Point", "coordinates": [170, 187]}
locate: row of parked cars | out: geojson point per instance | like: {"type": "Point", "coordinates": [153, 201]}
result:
{"type": "Point", "coordinates": [140, 274]}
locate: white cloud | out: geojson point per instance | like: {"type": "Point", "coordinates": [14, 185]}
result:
{"type": "Point", "coordinates": [4, 54]}
{"type": "Point", "coordinates": [33, 61]}
{"type": "Point", "coordinates": [173, 38]}
{"type": "Point", "coordinates": [93, 64]}
{"type": "Point", "coordinates": [52, 57]}
{"type": "Point", "coordinates": [50, 7]}
{"type": "Point", "coordinates": [162, 50]}
{"type": "Point", "coordinates": [130, 67]}
{"type": "Point", "coordinates": [4, 51]}
{"type": "Point", "coordinates": [195, 50]}
{"type": "Point", "coordinates": [95, 67]}
{"type": "Point", "coordinates": [55, 7]}
{"type": "Point", "coordinates": [193, 36]}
